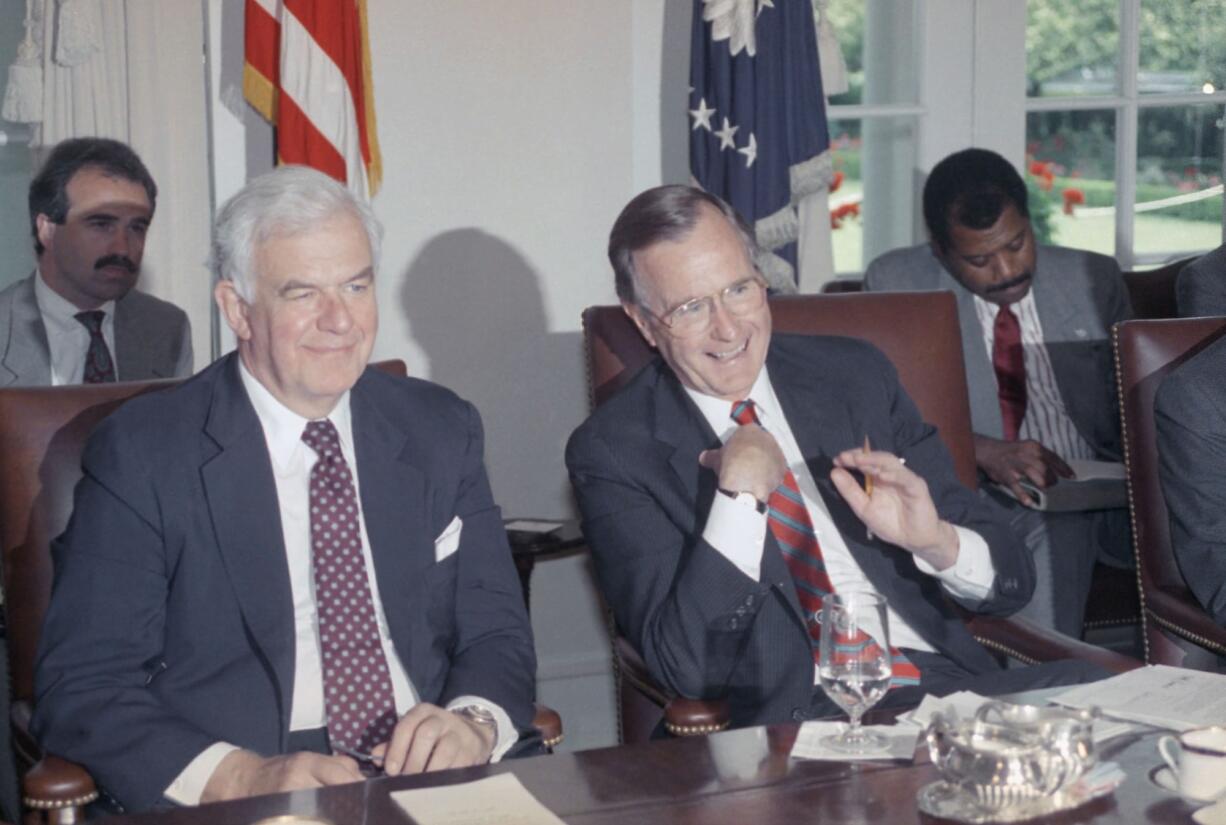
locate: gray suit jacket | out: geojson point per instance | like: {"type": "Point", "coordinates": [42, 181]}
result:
{"type": "Point", "coordinates": [153, 338]}
{"type": "Point", "coordinates": [1200, 288]}
{"type": "Point", "coordinates": [1190, 413]}
{"type": "Point", "coordinates": [1079, 295]}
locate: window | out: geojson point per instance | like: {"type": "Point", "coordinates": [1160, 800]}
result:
{"type": "Point", "coordinates": [1125, 101]}
{"type": "Point", "coordinates": [16, 163]}
{"type": "Point", "coordinates": [874, 130]}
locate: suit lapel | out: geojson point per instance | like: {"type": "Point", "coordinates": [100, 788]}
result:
{"type": "Point", "coordinates": [684, 433]}
{"type": "Point", "coordinates": [242, 502]}
{"type": "Point", "coordinates": [27, 356]}
{"type": "Point", "coordinates": [395, 507]}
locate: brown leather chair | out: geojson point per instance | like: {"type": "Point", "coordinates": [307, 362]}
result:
{"type": "Point", "coordinates": [1152, 291]}
{"type": "Point", "coordinates": [1145, 351]}
{"type": "Point", "coordinates": [43, 431]}
{"type": "Point", "coordinates": [919, 333]}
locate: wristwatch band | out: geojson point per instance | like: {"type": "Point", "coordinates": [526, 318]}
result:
{"type": "Point", "coordinates": [745, 499]}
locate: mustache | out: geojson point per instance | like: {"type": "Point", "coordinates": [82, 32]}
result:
{"type": "Point", "coordinates": [1012, 282]}
{"type": "Point", "coordinates": [116, 260]}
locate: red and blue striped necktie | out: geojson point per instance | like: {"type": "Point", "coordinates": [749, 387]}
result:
{"type": "Point", "coordinates": [793, 530]}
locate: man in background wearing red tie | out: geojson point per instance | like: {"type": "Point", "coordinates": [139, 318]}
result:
{"type": "Point", "coordinates": [290, 566]}
{"type": "Point", "coordinates": [77, 318]}
{"type": "Point", "coordinates": [1036, 325]}
{"type": "Point", "coordinates": [718, 499]}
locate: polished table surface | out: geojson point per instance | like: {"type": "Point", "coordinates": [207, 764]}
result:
{"type": "Point", "coordinates": [742, 776]}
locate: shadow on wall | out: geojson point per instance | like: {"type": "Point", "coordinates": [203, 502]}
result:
{"type": "Point", "coordinates": [474, 305]}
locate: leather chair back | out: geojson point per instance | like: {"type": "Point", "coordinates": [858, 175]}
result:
{"type": "Point", "coordinates": [1145, 352]}
{"type": "Point", "coordinates": [917, 331]}
{"type": "Point", "coordinates": [1152, 292]}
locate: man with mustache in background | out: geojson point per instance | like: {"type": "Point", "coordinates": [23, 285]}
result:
{"type": "Point", "coordinates": [77, 318]}
{"type": "Point", "coordinates": [1036, 323]}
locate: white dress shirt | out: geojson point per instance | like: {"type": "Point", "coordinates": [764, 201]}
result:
{"type": "Point", "coordinates": [1047, 420]}
{"type": "Point", "coordinates": [292, 461]}
{"type": "Point", "coordinates": [67, 338]}
{"type": "Point", "coordinates": [739, 532]}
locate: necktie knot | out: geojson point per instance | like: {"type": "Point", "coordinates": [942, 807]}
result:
{"type": "Point", "coordinates": [321, 436]}
{"type": "Point", "coordinates": [91, 320]}
{"type": "Point", "coordinates": [744, 412]}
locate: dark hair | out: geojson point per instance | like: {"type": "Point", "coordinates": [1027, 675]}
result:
{"type": "Point", "coordinates": [971, 188]}
{"type": "Point", "coordinates": [665, 213]}
{"type": "Point", "coordinates": [49, 189]}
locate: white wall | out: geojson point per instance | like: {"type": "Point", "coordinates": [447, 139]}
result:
{"type": "Point", "coordinates": [512, 134]}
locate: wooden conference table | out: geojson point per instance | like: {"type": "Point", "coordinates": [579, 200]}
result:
{"type": "Point", "coordinates": [735, 777]}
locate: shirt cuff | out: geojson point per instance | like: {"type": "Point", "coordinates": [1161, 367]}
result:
{"type": "Point", "coordinates": [188, 786]}
{"type": "Point", "coordinates": [505, 735]}
{"type": "Point", "coordinates": [737, 533]}
{"type": "Point", "coordinates": [972, 575]}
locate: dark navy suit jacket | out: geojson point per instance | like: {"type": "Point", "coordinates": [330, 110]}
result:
{"type": "Point", "coordinates": [171, 623]}
{"type": "Point", "coordinates": [703, 627]}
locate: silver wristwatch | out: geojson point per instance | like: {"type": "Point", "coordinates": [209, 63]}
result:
{"type": "Point", "coordinates": [480, 716]}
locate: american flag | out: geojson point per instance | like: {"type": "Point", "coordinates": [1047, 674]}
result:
{"type": "Point", "coordinates": [308, 73]}
{"type": "Point", "coordinates": [758, 135]}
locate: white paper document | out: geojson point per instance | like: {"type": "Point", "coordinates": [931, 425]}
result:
{"type": "Point", "coordinates": [1169, 697]}
{"type": "Point", "coordinates": [901, 738]}
{"type": "Point", "coordinates": [495, 800]}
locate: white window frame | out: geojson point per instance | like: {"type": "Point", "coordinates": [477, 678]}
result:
{"type": "Point", "coordinates": [1127, 105]}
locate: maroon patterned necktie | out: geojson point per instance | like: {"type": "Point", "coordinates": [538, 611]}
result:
{"type": "Point", "coordinates": [1010, 364]}
{"type": "Point", "coordinates": [99, 368]}
{"type": "Point", "coordinates": [358, 696]}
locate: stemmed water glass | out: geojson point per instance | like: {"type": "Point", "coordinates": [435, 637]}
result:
{"type": "Point", "coordinates": [855, 665]}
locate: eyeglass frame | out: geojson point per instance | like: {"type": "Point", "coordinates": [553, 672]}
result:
{"type": "Point", "coordinates": [756, 278]}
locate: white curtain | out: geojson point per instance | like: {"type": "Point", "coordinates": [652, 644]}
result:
{"type": "Point", "coordinates": [133, 70]}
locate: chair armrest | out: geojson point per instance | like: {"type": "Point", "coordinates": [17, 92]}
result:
{"type": "Point", "coordinates": [548, 723]}
{"type": "Point", "coordinates": [1181, 614]}
{"type": "Point", "coordinates": [682, 717]}
{"type": "Point", "coordinates": [1028, 643]}
{"type": "Point", "coordinates": [50, 783]}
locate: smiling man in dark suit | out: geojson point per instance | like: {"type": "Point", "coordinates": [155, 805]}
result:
{"type": "Point", "coordinates": [79, 317]}
{"type": "Point", "coordinates": [291, 563]}
{"type": "Point", "coordinates": [729, 459]}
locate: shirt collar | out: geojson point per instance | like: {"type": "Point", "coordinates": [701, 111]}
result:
{"type": "Point", "coordinates": [283, 427]}
{"type": "Point", "coordinates": [988, 309]}
{"type": "Point", "coordinates": [718, 412]}
{"type": "Point", "coordinates": [57, 310]}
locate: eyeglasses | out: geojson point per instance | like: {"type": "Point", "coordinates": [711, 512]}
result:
{"type": "Point", "coordinates": [694, 316]}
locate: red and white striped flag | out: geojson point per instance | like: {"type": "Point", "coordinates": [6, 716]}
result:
{"type": "Point", "coordinates": [308, 73]}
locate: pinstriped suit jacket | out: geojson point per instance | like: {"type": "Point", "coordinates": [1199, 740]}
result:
{"type": "Point", "coordinates": [1078, 295]}
{"type": "Point", "coordinates": [702, 626]}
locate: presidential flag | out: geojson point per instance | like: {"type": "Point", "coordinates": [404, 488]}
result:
{"type": "Point", "coordinates": [758, 135]}
{"type": "Point", "coordinates": [308, 73]}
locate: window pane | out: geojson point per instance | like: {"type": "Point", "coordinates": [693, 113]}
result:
{"type": "Point", "coordinates": [873, 207]}
{"type": "Point", "coordinates": [1072, 48]}
{"type": "Point", "coordinates": [1179, 179]}
{"type": "Point", "coordinates": [1183, 46]}
{"type": "Point", "coordinates": [1070, 172]}
{"type": "Point", "coordinates": [877, 38]}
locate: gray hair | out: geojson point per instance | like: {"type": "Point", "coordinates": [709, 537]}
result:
{"type": "Point", "coordinates": [663, 213]}
{"type": "Point", "coordinates": [289, 200]}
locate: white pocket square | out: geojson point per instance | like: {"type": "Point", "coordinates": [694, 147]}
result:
{"type": "Point", "coordinates": [448, 541]}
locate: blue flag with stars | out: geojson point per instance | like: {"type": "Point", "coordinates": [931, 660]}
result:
{"type": "Point", "coordinates": [758, 135]}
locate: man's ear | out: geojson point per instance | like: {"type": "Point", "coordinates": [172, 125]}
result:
{"type": "Point", "coordinates": [46, 229]}
{"type": "Point", "coordinates": [233, 308]}
{"type": "Point", "coordinates": [641, 321]}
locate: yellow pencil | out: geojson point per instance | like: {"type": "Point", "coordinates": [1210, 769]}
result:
{"type": "Point", "coordinates": [868, 477]}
